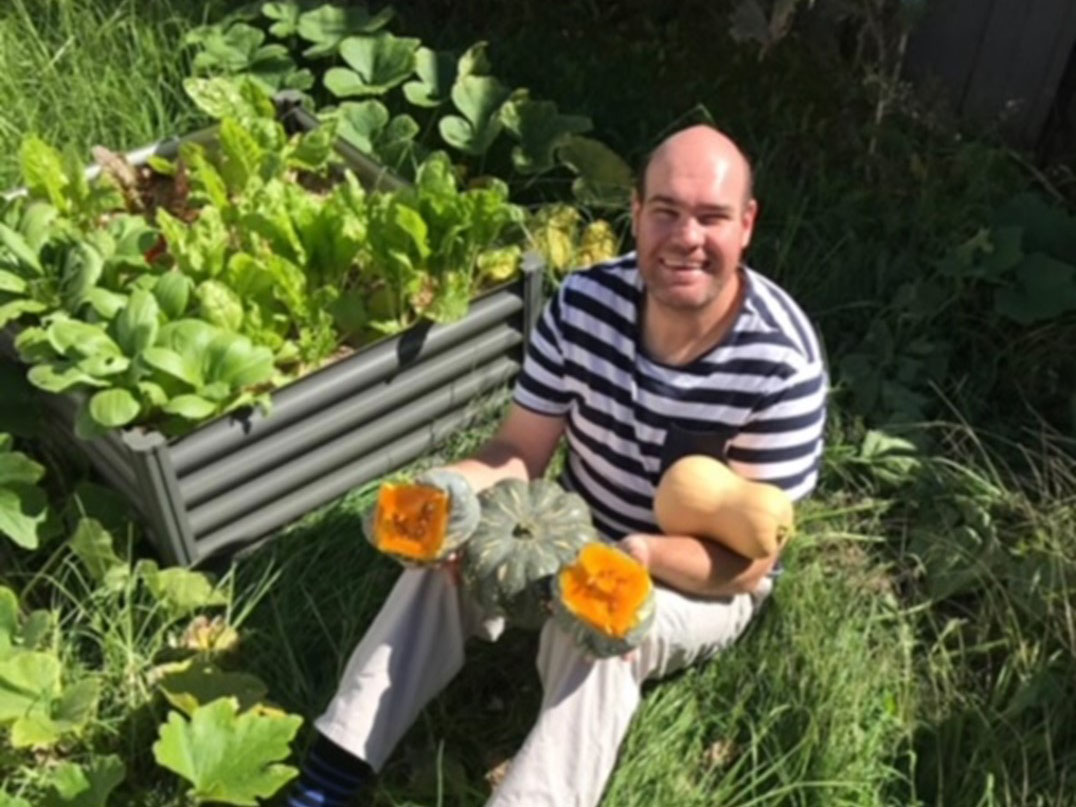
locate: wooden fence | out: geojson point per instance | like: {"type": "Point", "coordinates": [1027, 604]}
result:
{"type": "Point", "coordinates": [999, 60]}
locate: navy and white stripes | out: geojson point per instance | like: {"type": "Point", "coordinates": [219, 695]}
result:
{"type": "Point", "coordinates": [756, 400]}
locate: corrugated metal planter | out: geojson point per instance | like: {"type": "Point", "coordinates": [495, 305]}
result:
{"type": "Point", "coordinates": [239, 478]}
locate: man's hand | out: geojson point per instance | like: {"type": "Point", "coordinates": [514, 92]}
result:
{"type": "Point", "coordinates": [637, 546]}
{"type": "Point", "coordinates": [696, 566]}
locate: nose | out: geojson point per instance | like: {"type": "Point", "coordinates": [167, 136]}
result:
{"type": "Point", "coordinates": [689, 231]}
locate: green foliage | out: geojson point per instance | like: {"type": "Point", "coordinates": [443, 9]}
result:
{"type": "Point", "coordinates": [228, 756]}
{"type": "Point", "coordinates": [75, 785]}
{"type": "Point", "coordinates": [23, 507]}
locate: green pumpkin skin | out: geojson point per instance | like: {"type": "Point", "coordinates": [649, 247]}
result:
{"type": "Point", "coordinates": [463, 514]}
{"type": "Point", "coordinates": [593, 641]}
{"type": "Point", "coordinates": [527, 531]}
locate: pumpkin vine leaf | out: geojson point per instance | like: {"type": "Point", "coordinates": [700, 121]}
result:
{"type": "Point", "coordinates": [228, 757]}
{"type": "Point", "coordinates": [436, 71]}
{"type": "Point", "coordinates": [479, 99]}
{"type": "Point", "coordinates": [328, 26]}
{"type": "Point", "coordinates": [74, 785]}
{"type": "Point", "coordinates": [378, 63]}
{"type": "Point", "coordinates": [540, 128]}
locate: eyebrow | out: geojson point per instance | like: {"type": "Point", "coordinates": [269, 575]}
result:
{"type": "Point", "coordinates": [662, 199]}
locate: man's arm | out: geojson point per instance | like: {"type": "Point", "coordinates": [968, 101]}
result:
{"type": "Point", "coordinates": [697, 566]}
{"type": "Point", "coordinates": [521, 449]}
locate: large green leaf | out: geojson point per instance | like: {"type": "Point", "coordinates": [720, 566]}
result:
{"type": "Point", "coordinates": [436, 72]}
{"type": "Point", "coordinates": [23, 254]}
{"type": "Point", "coordinates": [92, 544]}
{"type": "Point", "coordinates": [604, 178]}
{"type": "Point", "coordinates": [226, 756]}
{"type": "Point", "coordinates": [7, 800]}
{"type": "Point", "coordinates": [227, 49]}
{"type": "Point", "coordinates": [103, 365]}
{"type": "Point", "coordinates": [113, 408]}
{"type": "Point", "coordinates": [105, 304]}
{"type": "Point", "coordinates": [11, 311]}
{"type": "Point", "coordinates": [173, 290]}
{"type": "Point", "coordinates": [62, 376]}
{"type": "Point", "coordinates": [74, 785]}
{"type": "Point", "coordinates": [479, 98]}
{"type": "Point", "coordinates": [361, 122]}
{"type": "Point", "coordinates": [540, 129]}
{"type": "Point", "coordinates": [79, 340]}
{"type": "Point", "coordinates": [11, 283]}
{"type": "Point", "coordinates": [16, 467]}
{"type": "Point", "coordinates": [223, 97]}
{"type": "Point", "coordinates": [29, 683]}
{"type": "Point", "coordinates": [23, 511]}
{"type": "Point", "coordinates": [180, 590]}
{"type": "Point", "coordinates": [135, 327]}
{"type": "Point", "coordinates": [37, 224]}
{"type": "Point", "coordinates": [82, 268]}
{"type": "Point", "coordinates": [378, 63]}
{"type": "Point", "coordinates": [329, 25]}
{"type": "Point", "coordinates": [235, 361]}
{"type": "Point", "coordinates": [190, 407]}
{"type": "Point", "coordinates": [286, 13]}
{"type": "Point", "coordinates": [241, 155]}
{"type": "Point", "coordinates": [200, 684]}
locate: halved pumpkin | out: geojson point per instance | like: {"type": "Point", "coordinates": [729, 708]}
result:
{"type": "Point", "coordinates": [423, 521]}
{"type": "Point", "coordinates": [604, 599]}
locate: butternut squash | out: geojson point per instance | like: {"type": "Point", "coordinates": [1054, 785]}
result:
{"type": "Point", "coordinates": [700, 496]}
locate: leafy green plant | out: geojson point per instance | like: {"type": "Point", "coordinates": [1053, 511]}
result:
{"type": "Point", "coordinates": [36, 704]}
{"type": "Point", "coordinates": [409, 89]}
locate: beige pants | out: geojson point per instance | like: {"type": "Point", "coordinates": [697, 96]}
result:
{"type": "Point", "coordinates": [415, 646]}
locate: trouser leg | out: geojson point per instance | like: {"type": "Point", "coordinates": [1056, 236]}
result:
{"type": "Point", "coordinates": [588, 704]}
{"type": "Point", "coordinates": [411, 651]}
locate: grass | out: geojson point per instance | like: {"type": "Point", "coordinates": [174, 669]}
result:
{"type": "Point", "coordinates": [95, 73]}
{"type": "Point", "coordinates": [919, 649]}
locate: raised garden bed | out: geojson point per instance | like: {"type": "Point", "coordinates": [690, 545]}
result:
{"type": "Point", "coordinates": [240, 477]}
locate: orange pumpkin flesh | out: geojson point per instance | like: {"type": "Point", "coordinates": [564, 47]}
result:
{"type": "Point", "coordinates": [411, 520]}
{"type": "Point", "coordinates": [605, 589]}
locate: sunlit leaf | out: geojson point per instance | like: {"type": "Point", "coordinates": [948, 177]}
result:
{"type": "Point", "coordinates": [479, 99]}
{"type": "Point", "coordinates": [227, 756]}
{"type": "Point", "coordinates": [329, 25]}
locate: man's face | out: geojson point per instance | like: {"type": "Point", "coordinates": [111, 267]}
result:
{"type": "Point", "coordinates": [693, 224]}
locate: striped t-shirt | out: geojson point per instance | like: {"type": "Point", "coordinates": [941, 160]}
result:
{"type": "Point", "coordinates": [756, 401]}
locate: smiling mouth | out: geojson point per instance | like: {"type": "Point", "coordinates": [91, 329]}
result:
{"type": "Point", "coordinates": [682, 268]}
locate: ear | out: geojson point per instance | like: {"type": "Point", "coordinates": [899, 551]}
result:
{"type": "Point", "coordinates": [636, 210]}
{"type": "Point", "coordinates": [747, 222]}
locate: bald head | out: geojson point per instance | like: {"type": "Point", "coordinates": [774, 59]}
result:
{"type": "Point", "coordinates": [699, 143]}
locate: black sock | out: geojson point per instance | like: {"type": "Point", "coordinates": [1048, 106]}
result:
{"type": "Point", "coordinates": [330, 776]}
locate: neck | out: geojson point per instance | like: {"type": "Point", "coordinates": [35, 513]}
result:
{"type": "Point", "coordinates": [678, 337]}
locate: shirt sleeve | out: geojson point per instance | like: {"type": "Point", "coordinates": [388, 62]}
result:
{"type": "Point", "coordinates": [540, 386]}
{"type": "Point", "coordinates": [781, 442]}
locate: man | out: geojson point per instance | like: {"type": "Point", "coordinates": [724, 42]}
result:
{"type": "Point", "coordinates": [675, 349]}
